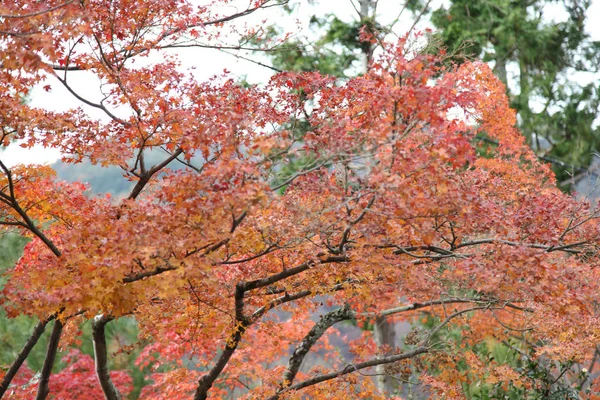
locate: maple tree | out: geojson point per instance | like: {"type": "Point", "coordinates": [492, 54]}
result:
{"type": "Point", "coordinates": [394, 213]}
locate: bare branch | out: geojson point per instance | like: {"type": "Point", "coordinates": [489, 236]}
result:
{"type": "Point", "coordinates": [91, 103]}
{"type": "Point", "coordinates": [269, 249]}
{"type": "Point", "coordinates": [568, 248]}
{"type": "Point", "coordinates": [354, 367]}
{"type": "Point", "coordinates": [419, 16]}
{"type": "Point", "coordinates": [145, 178]}
{"type": "Point", "coordinates": [237, 221]}
{"type": "Point", "coordinates": [439, 253]}
{"type": "Point", "coordinates": [100, 353]}
{"type": "Point", "coordinates": [147, 274]}
{"type": "Point", "coordinates": [297, 175]}
{"type": "Point", "coordinates": [169, 267]}
{"type": "Point", "coordinates": [16, 365]}
{"type": "Point", "coordinates": [243, 322]}
{"type": "Point", "coordinates": [286, 298]}
{"type": "Point", "coordinates": [454, 315]}
{"type": "Point", "coordinates": [340, 315]}
{"type": "Point", "coordinates": [43, 389]}
{"type": "Point", "coordinates": [346, 234]}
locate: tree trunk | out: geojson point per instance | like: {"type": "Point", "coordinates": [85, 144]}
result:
{"type": "Point", "coordinates": [385, 335]}
{"type": "Point", "coordinates": [43, 389]}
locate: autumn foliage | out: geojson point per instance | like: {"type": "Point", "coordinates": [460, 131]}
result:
{"type": "Point", "coordinates": [395, 208]}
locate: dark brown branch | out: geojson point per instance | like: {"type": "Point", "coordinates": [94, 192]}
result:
{"type": "Point", "coordinates": [177, 30]}
{"type": "Point", "coordinates": [159, 270]}
{"type": "Point", "coordinates": [147, 274]}
{"type": "Point", "coordinates": [416, 306]}
{"type": "Point", "coordinates": [28, 221]}
{"type": "Point", "coordinates": [206, 382]}
{"type": "Point", "coordinates": [434, 249]}
{"type": "Point", "coordinates": [237, 221]}
{"type": "Point", "coordinates": [145, 177]}
{"type": "Point", "coordinates": [298, 174]}
{"type": "Point", "coordinates": [286, 298]}
{"type": "Point", "coordinates": [280, 300]}
{"type": "Point", "coordinates": [16, 365]}
{"type": "Point", "coordinates": [66, 68]}
{"type": "Point", "coordinates": [346, 234]}
{"type": "Point", "coordinates": [345, 313]}
{"type": "Point", "coordinates": [19, 34]}
{"type": "Point", "coordinates": [91, 103]}
{"type": "Point", "coordinates": [247, 11]}
{"type": "Point", "coordinates": [438, 253]}
{"type": "Point", "coordinates": [269, 249]}
{"type": "Point", "coordinates": [252, 61]}
{"type": "Point", "coordinates": [259, 283]}
{"type": "Point", "coordinates": [242, 323]}
{"type": "Point", "coordinates": [454, 315]}
{"type": "Point", "coordinates": [100, 353]}
{"type": "Point", "coordinates": [13, 223]}
{"type": "Point", "coordinates": [423, 346]}
{"type": "Point", "coordinates": [43, 389]}
{"type": "Point", "coordinates": [419, 16]}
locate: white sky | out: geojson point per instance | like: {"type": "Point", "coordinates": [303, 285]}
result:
{"type": "Point", "coordinates": [209, 62]}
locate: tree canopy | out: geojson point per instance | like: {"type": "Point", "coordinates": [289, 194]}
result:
{"type": "Point", "coordinates": [235, 275]}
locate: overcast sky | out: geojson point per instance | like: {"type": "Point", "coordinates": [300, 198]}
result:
{"type": "Point", "coordinates": [211, 62]}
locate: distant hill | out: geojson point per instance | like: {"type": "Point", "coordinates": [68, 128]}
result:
{"type": "Point", "coordinates": [106, 179]}
{"type": "Point", "coordinates": [101, 179]}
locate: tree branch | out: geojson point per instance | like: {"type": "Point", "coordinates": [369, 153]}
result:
{"type": "Point", "coordinates": [352, 368]}
{"type": "Point", "coordinates": [286, 298]}
{"type": "Point", "coordinates": [101, 358]}
{"type": "Point", "coordinates": [91, 103]}
{"type": "Point", "coordinates": [14, 204]}
{"type": "Point", "coordinates": [346, 234]}
{"type": "Point", "coordinates": [344, 314]}
{"type": "Point", "coordinates": [16, 365]}
{"type": "Point", "coordinates": [259, 283]}
{"type": "Point", "coordinates": [159, 270]}
{"type": "Point", "coordinates": [147, 274]}
{"type": "Point", "coordinates": [441, 253]}
{"type": "Point", "coordinates": [43, 388]}
{"type": "Point", "coordinates": [325, 322]}
{"type": "Point", "coordinates": [454, 315]}
{"type": "Point", "coordinates": [416, 306]}
{"type": "Point", "coordinates": [145, 178]}
{"type": "Point", "coordinates": [242, 323]}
